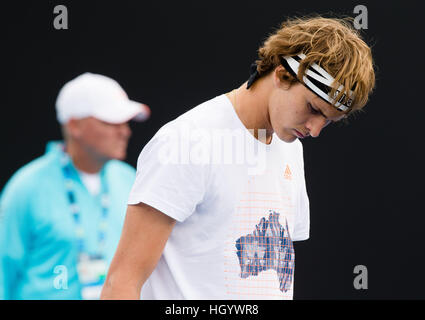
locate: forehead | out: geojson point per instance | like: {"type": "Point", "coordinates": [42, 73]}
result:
{"type": "Point", "coordinates": [97, 122]}
{"type": "Point", "coordinates": [91, 125]}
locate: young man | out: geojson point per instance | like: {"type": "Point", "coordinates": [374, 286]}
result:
{"type": "Point", "coordinates": [61, 214]}
{"type": "Point", "coordinates": [220, 194]}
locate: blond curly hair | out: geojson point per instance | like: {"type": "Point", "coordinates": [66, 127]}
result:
{"type": "Point", "coordinates": [333, 44]}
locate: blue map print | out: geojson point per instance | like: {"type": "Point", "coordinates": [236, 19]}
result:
{"type": "Point", "coordinates": [268, 247]}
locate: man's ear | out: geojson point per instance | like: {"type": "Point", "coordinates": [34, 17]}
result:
{"type": "Point", "coordinates": [282, 78]}
{"type": "Point", "coordinates": [73, 128]}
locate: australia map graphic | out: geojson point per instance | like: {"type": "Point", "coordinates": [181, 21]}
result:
{"type": "Point", "coordinates": [268, 247]}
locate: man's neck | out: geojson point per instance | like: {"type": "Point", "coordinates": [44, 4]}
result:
{"type": "Point", "coordinates": [251, 106]}
{"type": "Point", "coordinates": [82, 159]}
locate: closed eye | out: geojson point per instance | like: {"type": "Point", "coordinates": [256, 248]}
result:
{"type": "Point", "coordinates": [315, 111]}
{"type": "Point", "coordinates": [312, 110]}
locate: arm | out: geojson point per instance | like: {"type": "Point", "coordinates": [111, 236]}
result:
{"type": "Point", "coordinates": [143, 238]}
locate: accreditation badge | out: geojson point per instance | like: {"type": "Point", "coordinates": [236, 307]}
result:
{"type": "Point", "coordinates": [92, 271]}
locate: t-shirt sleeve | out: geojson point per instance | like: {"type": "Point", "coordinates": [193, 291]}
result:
{"type": "Point", "coordinates": [302, 218]}
{"type": "Point", "coordinates": [168, 177]}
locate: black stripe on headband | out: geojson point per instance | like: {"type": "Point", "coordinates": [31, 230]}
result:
{"type": "Point", "coordinates": [288, 68]}
{"type": "Point", "coordinates": [316, 86]}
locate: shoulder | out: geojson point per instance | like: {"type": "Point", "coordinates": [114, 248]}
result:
{"type": "Point", "coordinates": [194, 128]}
{"type": "Point", "coordinates": [27, 187]}
{"type": "Point", "coordinates": [31, 176]}
{"type": "Point", "coordinates": [210, 113]}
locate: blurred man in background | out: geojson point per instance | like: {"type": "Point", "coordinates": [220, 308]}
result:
{"type": "Point", "coordinates": [61, 214]}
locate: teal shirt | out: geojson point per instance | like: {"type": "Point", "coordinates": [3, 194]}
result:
{"type": "Point", "coordinates": [38, 243]}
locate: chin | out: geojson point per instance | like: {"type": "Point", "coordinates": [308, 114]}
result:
{"type": "Point", "coordinates": [117, 155]}
{"type": "Point", "coordinates": [120, 156]}
{"type": "Point", "coordinates": [287, 137]}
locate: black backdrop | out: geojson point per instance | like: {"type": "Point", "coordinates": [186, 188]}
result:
{"type": "Point", "coordinates": [364, 179]}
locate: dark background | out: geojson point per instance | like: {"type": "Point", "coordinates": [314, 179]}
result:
{"type": "Point", "coordinates": [364, 179]}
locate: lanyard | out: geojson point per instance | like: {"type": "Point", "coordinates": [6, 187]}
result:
{"type": "Point", "coordinates": [75, 210]}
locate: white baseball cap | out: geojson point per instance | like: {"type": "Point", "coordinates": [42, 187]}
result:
{"type": "Point", "coordinates": [95, 95]}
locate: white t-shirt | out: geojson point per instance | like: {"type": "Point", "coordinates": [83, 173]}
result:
{"type": "Point", "coordinates": [238, 202]}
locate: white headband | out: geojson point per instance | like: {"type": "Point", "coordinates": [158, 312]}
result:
{"type": "Point", "coordinates": [318, 81]}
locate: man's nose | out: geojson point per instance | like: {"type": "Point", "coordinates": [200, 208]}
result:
{"type": "Point", "coordinates": [316, 125]}
{"type": "Point", "coordinates": [125, 130]}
